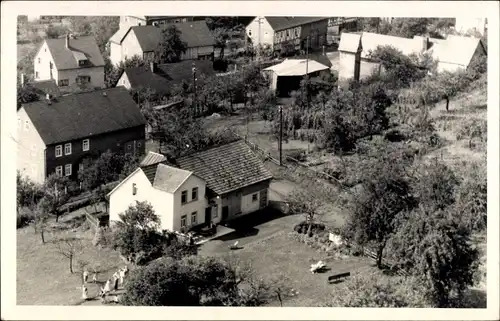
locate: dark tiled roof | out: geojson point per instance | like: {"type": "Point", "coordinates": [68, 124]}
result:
{"type": "Point", "coordinates": [194, 33]}
{"type": "Point", "coordinates": [150, 171]}
{"type": "Point", "coordinates": [167, 75]}
{"type": "Point", "coordinates": [280, 23]}
{"type": "Point", "coordinates": [84, 115]}
{"type": "Point", "coordinates": [65, 59]}
{"type": "Point", "coordinates": [44, 87]}
{"type": "Point", "coordinates": [226, 168]}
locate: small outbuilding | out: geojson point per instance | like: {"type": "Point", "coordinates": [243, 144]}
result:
{"type": "Point", "coordinates": [286, 76]}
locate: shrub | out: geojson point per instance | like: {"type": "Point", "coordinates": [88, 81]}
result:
{"type": "Point", "coordinates": [24, 219]}
{"type": "Point", "coordinates": [316, 228]}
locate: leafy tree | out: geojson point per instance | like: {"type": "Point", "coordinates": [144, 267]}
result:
{"type": "Point", "coordinates": [306, 203]}
{"type": "Point", "coordinates": [172, 46]}
{"type": "Point", "coordinates": [55, 194]}
{"type": "Point", "coordinates": [137, 233]}
{"type": "Point", "coordinates": [435, 185]}
{"type": "Point", "coordinates": [399, 70]}
{"type": "Point", "coordinates": [28, 192]}
{"type": "Point", "coordinates": [472, 197]}
{"type": "Point", "coordinates": [26, 94]}
{"type": "Point", "coordinates": [434, 248]}
{"type": "Point", "coordinates": [376, 291]}
{"type": "Point", "coordinates": [473, 128]}
{"type": "Point", "coordinates": [221, 40]}
{"type": "Point", "coordinates": [192, 281]}
{"type": "Point", "coordinates": [113, 73]}
{"type": "Point", "coordinates": [384, 194]}
{"type": "Point", "coordinates": [178, 249]}
{"type": "Point", "coordinates": [55, 32]}
{"type": "Point", "coordinates": [69, 247]}
{"type": "Point", "coordinates": [40, 221]}
{"type": "Point", "coordinates": [410, 27]}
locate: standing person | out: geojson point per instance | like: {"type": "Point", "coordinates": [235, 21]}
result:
{"type": "Point", "coordinates": [116, 278]}
{"type": "Point", "coordinates": [84, 292]}
{"type": "Point", "coordinates": [94, 277]}
{"type": "Point", "coordinates": [107, 287]}
{"type": "Point", "coordinates": [85, 276]}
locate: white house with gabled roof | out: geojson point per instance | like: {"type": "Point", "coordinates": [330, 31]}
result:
{"type": "Point", "coordinates": [176, 195]}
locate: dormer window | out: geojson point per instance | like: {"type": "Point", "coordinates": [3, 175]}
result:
{"type": "Point", "coordinates": [134, 189]}
{"type": "Point", "coordinates": [82, 62]}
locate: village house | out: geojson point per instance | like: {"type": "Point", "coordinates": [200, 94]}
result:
{"type": "Point", "coordinates": [286, 76]}
{"type": "Point", "coordinates": [452, 54]}
{"type": "Point", "coordinates": [162, 77]}
{"type": "Point", "coordinates": [355, 49]}
{"type": "Point", "coordinates": [72, 62]}
{"type": "Point", "coordinates": [56, 135]}
{"type": "Point", "coordinates": [215, 185]}
{"type": "Point", "coordinates": [286, 34]}
{"type": "Point", "coordinates": [144, 41]}
{"type": "Point", "coordinates": [457, 52]}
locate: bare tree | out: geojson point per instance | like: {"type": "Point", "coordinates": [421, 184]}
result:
{"type": "Point", "coordinates": [69, 247]}
{"type": "Point", "coordinates": [306, 203]}
{"type": "Point", "coordinates": [40, 223]}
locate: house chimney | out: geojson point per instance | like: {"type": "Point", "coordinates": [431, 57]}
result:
{"type": "Point", "coordinates": [152, 66]}
{"type": "Point", "coordinates": [67, 41]}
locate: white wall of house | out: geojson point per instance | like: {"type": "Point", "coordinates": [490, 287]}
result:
{"type": "Point", "coordinates": [130, 46]}
{"type": "Point", "coordinates": [42, 62]}
{"type": "Point", "coordinates": [30, 149]}
{"type": "Point", "coordinates": [454, 67]}
{"type": "Point", "coordinates": [266, 32]}
{"type": "Point", "coordinates": [250, 204]}
{"type": "Point", "coordinates": [347, 61]}
{"type": "Point", "coordinates": [367, 68]}
{"type": "Point", "coordinates": [115, 53]}
{"type": "Point", "coordinates": [124, 81]}
{"type": "Point", "coordinates": [198, 205]}
{"type": "Point", "coordinates": [122, 197]}
{"type": "Point", "coordinates": [96, 75]}
{"type": "Point", "coordinates": [128, 21]}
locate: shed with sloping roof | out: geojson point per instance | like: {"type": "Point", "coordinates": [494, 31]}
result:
{"type": "Point", "coordinates": [286, 76]}
{"type": "Point", "coordinates": [457, 52]}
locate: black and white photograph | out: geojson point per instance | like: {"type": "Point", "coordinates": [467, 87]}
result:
{"type": "Point", "coordinates": [282, 160]}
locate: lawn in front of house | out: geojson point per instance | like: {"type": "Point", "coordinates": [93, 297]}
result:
{"type": "Point", "coordinates": [43, 276]}
{"type": "Point", "coordinates": [276, 256]}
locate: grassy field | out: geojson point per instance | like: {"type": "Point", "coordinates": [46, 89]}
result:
{"type": "Point", "coordinates": [43, 276]}
{"type": "Point", "coordinates": [279, 255]}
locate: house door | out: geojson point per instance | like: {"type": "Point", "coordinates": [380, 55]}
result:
{"type": "Point", "coordinates": [225, 212]}
{"type": "Point", "coordinates": [208, 215]}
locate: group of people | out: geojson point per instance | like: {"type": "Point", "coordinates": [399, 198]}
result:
{"type": "Point", "coordinates": [110, 285]}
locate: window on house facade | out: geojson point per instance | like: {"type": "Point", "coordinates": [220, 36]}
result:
{"type": "Point", "coordinates": [215, 213]}
{"type": "Point", "coordinates": [18, 122]}
{"type": "Point", "coordinates": [83, 80]}
{"type": "Point", "coordinates": [194, 194]}
{"type": "Point", "coordinates": [85, 145]}
{"type": "Point", "coordinates": [123, 81]}
{"type": "Point", "coordinates": [249, 32]}
{"type": "Point", "coordinates": [58, 150]}
{"type": "Point", "coordinates": [39, 60]}
{"type": "Point", "coordinates": [36, 74]}
{"type": "Point", "coordinates": [296, 32]}
{"type": "Point", "coordinates": [67, 170]}
{"type": "Point", "coordinates": [183, 221]}
{"type": "Point", "coordinates": [288, 33]}
{"type": "Point", "coordinates": [67, 149]}
{"type": "Point", "coordinates": [80, 167]}
{"type": "Point", "coordinates": [26, 125]}
{"type": "Point", "coordinates": [255, 197]}
{"type": "Point", "coordinates": [59, 171]}
{"type": "Point", "coordinates": [134, 189]}
{"type": "Point", "coordinates": [194, 218]}
{"type": "Point", "coordinates": [63, 82]}
{"type": "Point", "coordinates": [184, 195]}
{"type": "Point", "coordinates": [139, 144]}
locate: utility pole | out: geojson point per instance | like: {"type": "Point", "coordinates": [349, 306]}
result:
{"type": "Point", "coordinates": [195, 107]}
{"type": "Point", "coordinates": [280, 146]}
{"type": "Point", "coordinates": [307, 72]}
